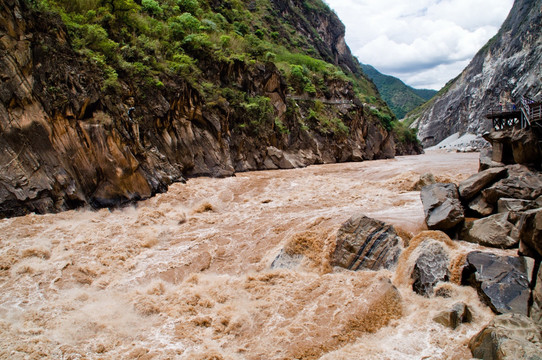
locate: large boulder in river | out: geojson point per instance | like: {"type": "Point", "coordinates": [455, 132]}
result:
{"type": "Point", "coordinates": [430, 268]}
{"type": "Point", "coordinates": [493, 231]}
{"type": "Point", "coordinates": [508, 337]}
{"type": "Point", "coordinates": [502, 282]}
{"type": "Point", "coordinates": [442, 207]}
{"type": "Point", "coordinates": [366, 243]}
{"type": "Point", "coordinates": [521, 183]}
{"type": "Point", "coordinates": [530, 232]}
{"type": "Point", "coordinates": [470, 187]}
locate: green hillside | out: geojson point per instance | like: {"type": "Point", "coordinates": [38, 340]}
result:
{"type": "Point", "coordinates": [400, 97]}
{"type": "Point", "coordinates": [144, 39]}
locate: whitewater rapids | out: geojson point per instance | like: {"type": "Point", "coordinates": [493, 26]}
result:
{"type": "Point", "coordinates": [186, 274]}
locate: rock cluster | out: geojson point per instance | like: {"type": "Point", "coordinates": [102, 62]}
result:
{"type": "Point", "coordinates": [499, 207]}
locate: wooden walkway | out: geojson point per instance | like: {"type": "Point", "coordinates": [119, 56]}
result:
{"type": "Point", "coordinates": [526, 114]}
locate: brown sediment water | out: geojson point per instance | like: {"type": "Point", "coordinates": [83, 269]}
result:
{"type": "Point", "coordinates": [186, 274]}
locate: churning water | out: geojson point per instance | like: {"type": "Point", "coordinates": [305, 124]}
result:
{"type": "Point", "coordinates": [186, 274]}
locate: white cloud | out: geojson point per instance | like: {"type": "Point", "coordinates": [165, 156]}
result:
{"type": "Point", "coordinates": [423, 42]}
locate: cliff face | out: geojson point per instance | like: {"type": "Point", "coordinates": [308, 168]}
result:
{"type": "Point", "coordinates": [507, 67]}
{"type": "Point", "coordinates": [66, 142]}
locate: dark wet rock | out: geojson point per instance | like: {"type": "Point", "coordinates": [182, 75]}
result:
{"type": "Point", "coordinates": [457, 315]}
{"type": "Point", "coordinates": [521, 183]}
{"type": "Point", "coordinates": [424, 180]}
{"type": "Point", "coordinates": [430, 268]}
{"type": "Point", "coordinates": [365, 243]}
{"type": "Point", "coordinates": [481, 207]}
{"type": "Point", "coordinates": [493, 231]}
{"type": "Point", "coordinates": [502, 282]}
{"type": "Point", "coordinates": [442, 207]}
{"type": "Point", "coordinates": [530, 233]}
{"type": "Point", "coordinates": [508, 337]}
{"type": "Point", "coordinates": [470, 187]}
{"type": "Point", "coordinates": [514, 205]}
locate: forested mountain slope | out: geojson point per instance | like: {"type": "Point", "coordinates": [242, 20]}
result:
{"type": "Point", "coordinates": [400, 97]}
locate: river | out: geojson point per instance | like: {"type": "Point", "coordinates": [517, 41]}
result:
{"type": "Point", "coordinates": [186, 274]}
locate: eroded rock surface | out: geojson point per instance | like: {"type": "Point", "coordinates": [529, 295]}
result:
{"type": "Point", "coordinates": [430, 268]}
{"type": "Point", "coordinates": [508, 337]}
{"type": "Point", "coordinates": [502, 282]}
{"type": "Point", "coordinates": [492, 231]}
{"type": "Point", "coordinates": [366, 243]}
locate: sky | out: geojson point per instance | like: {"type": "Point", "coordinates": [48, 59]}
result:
{"type": "Point", "coordinates": [425, 43]}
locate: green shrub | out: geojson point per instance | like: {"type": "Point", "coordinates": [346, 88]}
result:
{"type": "Point", "coordinates": [152, 7]}
{"type": "Point", "coordinates": [189, 6]}
{"type": "Point", "coordinates": [258, 111]}
{"type": "Point", "coordinates": [183, 25]}
{"type": "Point", "coordinates": [281, 127]}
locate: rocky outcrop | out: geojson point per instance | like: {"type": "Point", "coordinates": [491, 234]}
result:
{"type": "Point", "coordinates": [507, 67]}
{"type": "Point", "coordinates": [67, 141]}
{"type": "Point", "coordinates": [366, 244]}
{"type": "Point", "coordinates": [515, 146]}
{"type": "Point", "coordinates": [474, 184]}
{"type": "Point", "coordinates": [521, 183]}
{"type": "Point", "coordinates": [508, 337]}
{"type": "Point", "coordinates": [442, 207]}
{"type": "Point", "coordinates": [430, 267]}
{"type": "Point", "coordinates": [502, 282]}
{"type": "Point", "coordinates": [492, 231]}
{"type": "Point", "coordinates": [514, 205]}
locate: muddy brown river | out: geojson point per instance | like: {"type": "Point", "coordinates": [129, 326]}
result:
{"type": "Point", "coordinates": [186, 274]}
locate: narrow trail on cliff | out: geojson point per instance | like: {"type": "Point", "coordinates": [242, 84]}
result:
{"type": "Point", "coordinates": [186, 274]}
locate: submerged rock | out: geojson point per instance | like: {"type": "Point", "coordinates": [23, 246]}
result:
{"type": "Point", "coordinates": [502, 282]}
{"type": "Point", "coordinates": [366, 243]}
{"type": "Point", "coordinates": [508, 337]}
{"type": "Point", "coordinates": [493, 231]}
{"type": "Point", "coordinates": [424, 180]}
{"type": "Point", "coordinates": [430, 268]}
{"type": "Point", "coordinates": [452, 318]}
{"type": "Point", "coordinates": [442, 207]}
{"type": "Point", "coordinates": [286, 261]}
